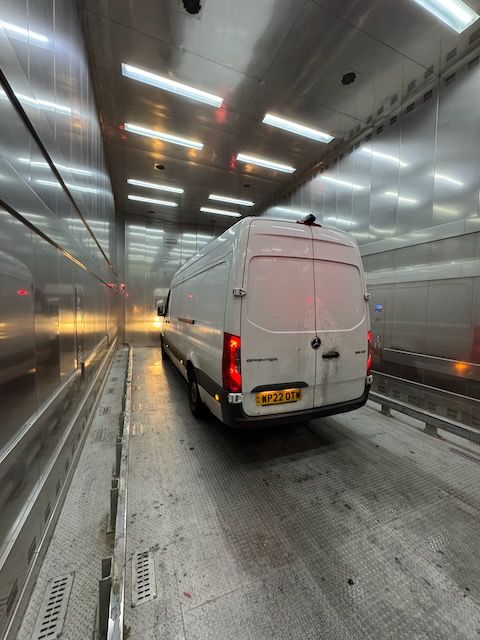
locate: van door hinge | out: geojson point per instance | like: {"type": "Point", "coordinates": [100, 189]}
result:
{"type": "Point", "coordinates": [366, 296]}
{"type": "Point", "coordinates": [239, 292]}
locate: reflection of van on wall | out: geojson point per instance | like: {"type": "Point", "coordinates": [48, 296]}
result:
{"type": "Point", "coordinates": [17, 335]}
{"type": "Point", "coordinates": [269, 323]}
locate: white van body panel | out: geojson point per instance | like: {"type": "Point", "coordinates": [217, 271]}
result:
{"type": "Point", "coordinates": [278, 285]}
{"type": "Point", "coordinates": [278, 314]}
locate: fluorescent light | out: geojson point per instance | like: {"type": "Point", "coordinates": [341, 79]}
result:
{"type": "Point", "coordinates": [27, 33]}
{"type": "Point", "coordinates": [455, 13]}
{"type": "Point", "coordinates": [341, 183]}
{"type": "Point", "coordinates": [383, 156]}
{"type": "Point", "coordinates": [299, 129]}
{"type": "Point", "coordinates": [243, 203]}
{"type": "Point", "coordinates": [394, 194]}
{"type": "Point", "coordinates": [45, 165]}
{"type": "Point", "coordinates": [171, 85]}
{"type": "Point", "coordinates": [295, 211]}
{"type": "Point", "coordinates": [263, 162]}
{"type": "Point", "coordinates": [160, 135]}
{"type": "Point", "coordinates": [438, 176]}
{"type": "Point", "coordinates": [163, 203]}
{"type": "Point", "coordinates": [220, 212]}
{"type": "Point", "coordinates": [152, 185]}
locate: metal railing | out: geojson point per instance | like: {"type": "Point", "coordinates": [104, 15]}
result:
{"type": "Point", "coordinates": [432, 421]}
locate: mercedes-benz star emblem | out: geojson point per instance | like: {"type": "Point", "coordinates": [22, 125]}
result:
{"type": "Point", "coordinates": [316, 342]}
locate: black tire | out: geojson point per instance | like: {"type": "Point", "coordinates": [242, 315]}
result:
{"type": "Point", "coordinates": [162, 350]}
{"type": "Point", "coordinates": [196, 405]}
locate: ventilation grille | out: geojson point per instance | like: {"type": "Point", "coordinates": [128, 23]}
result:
{"type": "Point", "coordinates": [144, 587]}
{"type": "Point", "coordinates": [52, 612]}
{"type": "Point", "coordinates": [451, 54]}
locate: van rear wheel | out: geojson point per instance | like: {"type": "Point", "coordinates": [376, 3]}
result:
{"type": "Point", "coordinates": [196, 405]}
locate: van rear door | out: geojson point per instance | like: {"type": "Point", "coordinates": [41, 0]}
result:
{"type": "Point", "coordinates": [341, 318]}
{"type": "Point", "coordinates": [278, 319]}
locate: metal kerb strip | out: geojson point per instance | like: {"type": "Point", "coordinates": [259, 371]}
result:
{"type": "Point", "coordinates": [117, 595]}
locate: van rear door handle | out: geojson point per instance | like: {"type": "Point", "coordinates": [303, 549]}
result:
{"type": "Point", "coordinates": [330, 354]}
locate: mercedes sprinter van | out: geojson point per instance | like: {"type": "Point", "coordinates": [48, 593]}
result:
{"type": "Point", "coordinates": [269, 323]}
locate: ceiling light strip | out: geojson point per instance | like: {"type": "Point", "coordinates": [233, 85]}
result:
{"type": "Point", "coordinates": [263, 162]}
{"type": "Point", "coordinates": [454, 13]}
{"type": "Point", "coordinates": [163, 203]}
{"type": "Point", "coordinates": [296, 128]}
{"type": "Point", "coordinates": [160, 135]}
{"type": "Point", "coordinates": [220, 212]}
{"type": "Point", "coordinates": [161, 82]}
{"type": "Point", "coordinates": [153, 185]}
{"type": "Point", "coordinates": [243, 203]}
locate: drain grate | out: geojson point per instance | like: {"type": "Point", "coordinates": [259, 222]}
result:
{"type": "Point", "coordinates": [144, 587]}
{"type": "Point", "coordinates": [53, 609]}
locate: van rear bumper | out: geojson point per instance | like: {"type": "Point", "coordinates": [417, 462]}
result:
{"type": "Point", "coordinates": [234, 416]}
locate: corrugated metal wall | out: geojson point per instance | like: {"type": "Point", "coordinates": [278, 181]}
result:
{"type": "Point", "coordinates": [57, 246]}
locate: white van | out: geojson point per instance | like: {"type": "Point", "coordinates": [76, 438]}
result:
{"type": "Point", "coordinates": [269, 324]}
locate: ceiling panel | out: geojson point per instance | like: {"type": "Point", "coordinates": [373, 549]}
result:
{"type": "Point", "coordinates": [402, 25]}
{"type": "Point", "coordinates": [280, 56]}
{"type": "Point", "coordinates": [242, 35]}
{"type": "Point", "coordinates": [112, 43]}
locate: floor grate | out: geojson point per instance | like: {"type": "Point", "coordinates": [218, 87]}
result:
{"type": "Point", "coordinates": [53, 609]}
{"type": "Point", "coordinates": [144, 587]}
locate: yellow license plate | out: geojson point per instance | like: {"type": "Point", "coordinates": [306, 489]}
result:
{"type": "Point", "coordinates": [266, 398]}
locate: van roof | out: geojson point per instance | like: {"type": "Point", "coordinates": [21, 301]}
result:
{"type": "Point", "coordinates": [226, 239]}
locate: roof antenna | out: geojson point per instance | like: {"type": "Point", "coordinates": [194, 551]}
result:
{"type": "Point", "coordinates": [308, 220]}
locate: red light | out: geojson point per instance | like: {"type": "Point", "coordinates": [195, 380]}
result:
{"type": "Point", "coordinates": [370, 354]}
{"type": "Point", "coordinates": [221, 114]}
{"type": "Point", "coordinates": [22, 292]}
{"type": "Point", "coordinates": [231, 368]}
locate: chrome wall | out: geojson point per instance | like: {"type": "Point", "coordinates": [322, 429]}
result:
{"type": "Point", "coordinates": [409, 193]}
{"type": "Point", "coordinates": [58, 302]}
{"type": "Point", "coordinates": [154, 251]}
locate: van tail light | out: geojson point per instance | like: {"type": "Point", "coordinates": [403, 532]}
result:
{"type": "Point", "coordinates": [231, 369]}
{"type": "Point", "coordinates": [370, 354]}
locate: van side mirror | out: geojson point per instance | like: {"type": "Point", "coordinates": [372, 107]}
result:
{"type": "Point", "coordinates": [161, 310]}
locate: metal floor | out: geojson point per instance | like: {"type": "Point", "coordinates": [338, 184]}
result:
{"type": "Point", "coordinates": [356, 526]}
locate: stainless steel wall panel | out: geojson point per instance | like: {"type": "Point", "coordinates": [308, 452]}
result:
{"type": "Point", "coordinates": [449, 319]}
{"type": "Point", "coordinates": [345, 190]}
{"type": "Point", "coordinates": [417, 156]}
{"type": "Point", "coordinates": [457, 165]}
{"type": "Point", "coordinates": [360, 219]}
{"type": "Point", "coordinates": [408, 316]}
{"type": "Point", "coordinates": [384, 151]}
{"type": "Point", "coordinates": [54, 311]}
{"type": "Point", "coordinates": [47, 345]}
